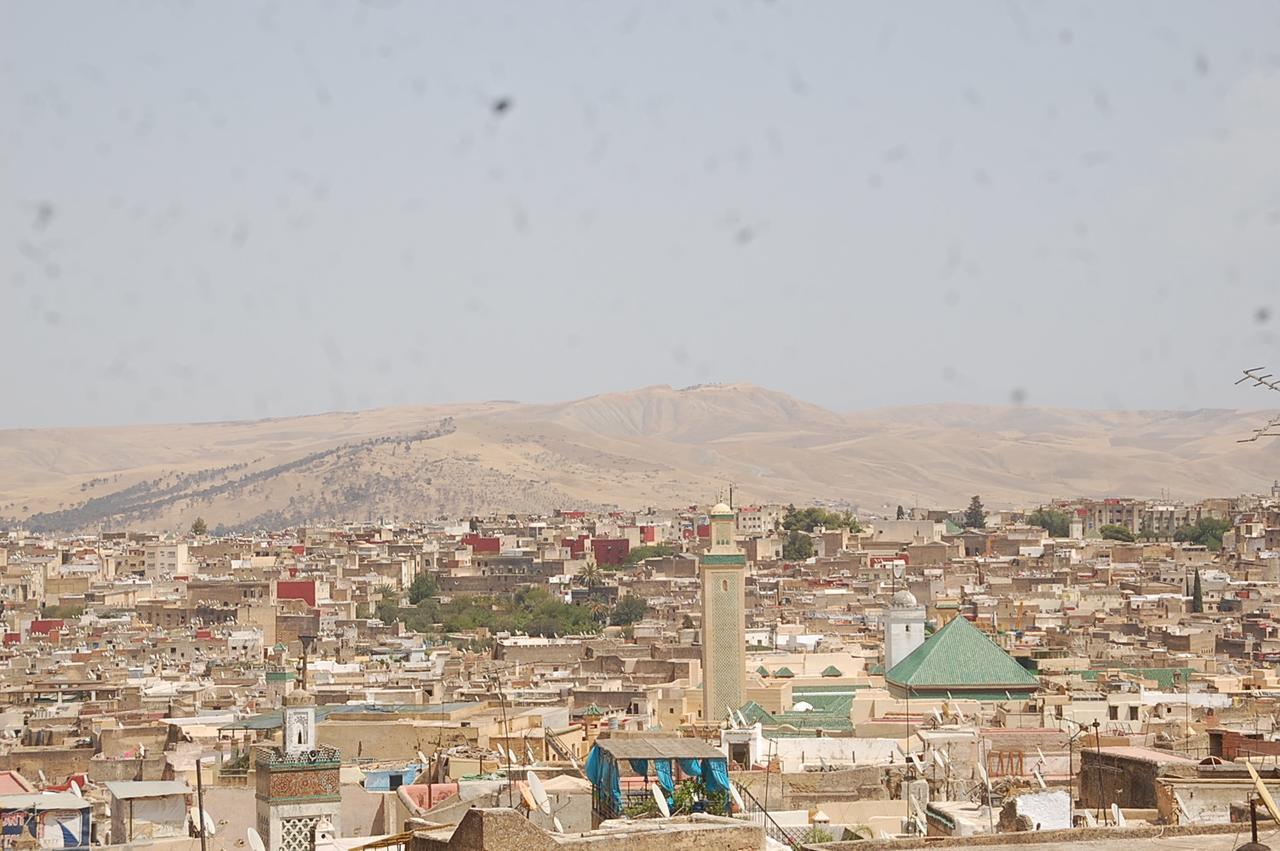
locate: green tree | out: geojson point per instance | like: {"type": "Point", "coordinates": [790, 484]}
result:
{"type": "Point", "coordinates": [199, 527]}
{"type": "Point", "coordinates": [902, 513]}
{"type": "Point", "coordinates": [1207, 531]}
{"type": "Point", "coordinates": [639, 554]}
{"type": "Point", "coordinates": [798, 546]}
{"type": "Point", "coordinates": [1197, 595]}
{"type": "Point", "coordinates": [686, 622]}
{"type": "Point", "coordinates": [423, 587]}
{"type": "Point", "coordinates": [808, 519]}
{"type": "Point", "coordinates": [628, 610]}
{"type": "Point", "coordinates": [387, 611]}
{"type": "Point", "coordinates": [1112, 532]}
{"type": "Point", "coordinates": [974, 516]}
{"type": "Point", "coordinates": [590, 576]}
{"type": "Point", "coordinates": [1057, 523]}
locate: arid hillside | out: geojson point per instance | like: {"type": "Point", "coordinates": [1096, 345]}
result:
{"type": "Point", "coordinates": [653, 446]}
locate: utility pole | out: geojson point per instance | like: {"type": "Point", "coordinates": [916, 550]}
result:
{"type": "Point", "coordinates": [1097, 743]}
{"type": "Point", "coordinates": [200, 803]}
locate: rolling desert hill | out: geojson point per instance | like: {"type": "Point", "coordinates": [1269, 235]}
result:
{"type": "Point", "coordinates": [654, 446]}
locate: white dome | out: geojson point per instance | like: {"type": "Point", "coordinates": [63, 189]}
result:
{"type": "Point", "coordinates": [904, 599]}
{"type": "Point", "coordinates": [721, 509]}
{"type": "Point", "coordinates": [802, 706]}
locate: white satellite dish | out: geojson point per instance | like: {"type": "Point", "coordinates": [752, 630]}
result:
{"type": "Point", "coordinates": [937, 757]}
{"type": "Point", "coordinates": [737, 798]}
{"type": "Point", "coordinates": [422, 758]}
{"type": "Point", "coordinates": [982, 773]}
{"type": "Point", "coordinates": [937, 716]}
{"type": "Point", "coordinates": [255, 841]}
{"type": "Point", "coordinates": [528, 754]}
{"type": "Point", "coordinates": [1118, 816]}
{"type": "Point", "coordinates": [539, 792]}
{"type": "Point", "coordinates": [1039, 778]}
{"type": "Point", "coordinates": [1089, 820]}
{"type": "Point", "coordinates": [556, 821]}
{"type": "Point", "coordinates": [660, 799]}
{"type": "Point", "coordinates": [43, 780]}
{"type": "Point", "coordinates": [742, 721]}
{"type": "Point", "coordinates": [207, 823]}
{"type": "Point", "coordinates": [515, 760]}
{"type": "Point", "coordinates": [74, 789]}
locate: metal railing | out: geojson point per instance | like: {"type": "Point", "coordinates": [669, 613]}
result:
{"type": "Point", "coordinates": [753, 811]}
{"type": "Point", "coordinates": [555, 743]}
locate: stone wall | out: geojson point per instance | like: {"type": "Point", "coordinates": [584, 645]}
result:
{"type": "Point", "coordinates": [504, 829]}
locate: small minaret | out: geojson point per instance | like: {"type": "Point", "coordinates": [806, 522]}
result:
{"type": "Point", "coordinates": [299, 803]}
{"type": "Point", "coordinates": [299, 723]}
{"type": "Point", "coordinates": [903, 628]}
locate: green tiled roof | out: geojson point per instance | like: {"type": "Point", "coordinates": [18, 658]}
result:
{"type": "Point", "coordinates": [832, 671]}
{"type": "Point", "coordinates": [959, 656]}
{"type": "Point", "coordinates": [754, 712]}
{"type": "Point", "coordinates": [762, 671]}
{"type": "Point", "coordinates": [784, 671]}
{"type": "Point", "coordinates": [1165, 677]}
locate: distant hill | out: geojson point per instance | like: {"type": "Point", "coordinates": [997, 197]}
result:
{"type": "Point", "coordinates": [654, 446]}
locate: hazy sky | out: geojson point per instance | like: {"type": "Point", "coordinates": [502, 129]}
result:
{"type": "Point", "coordinates": [215, 210]}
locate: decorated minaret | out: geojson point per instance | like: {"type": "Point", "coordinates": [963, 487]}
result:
{"type": "Point", "coordinates": [724, 626]}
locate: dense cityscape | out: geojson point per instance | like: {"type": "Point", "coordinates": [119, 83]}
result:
{"type": "Point", "coordinates": [744, 675]}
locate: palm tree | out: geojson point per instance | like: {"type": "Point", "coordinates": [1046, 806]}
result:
{"type": "Point", "coordinates": [590, 576]}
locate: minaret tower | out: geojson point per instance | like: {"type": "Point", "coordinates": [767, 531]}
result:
{"type": "Point", "coordinates": [724, 625]}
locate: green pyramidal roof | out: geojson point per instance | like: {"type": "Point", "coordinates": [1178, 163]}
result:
{"type": "Point", "coordinates": [960, 656]}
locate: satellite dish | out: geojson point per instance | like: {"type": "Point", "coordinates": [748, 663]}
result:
{"type": "Point", "coordinates": [515, 760]}
{"type": "Point", "coordinates": [74, 789]}
{"type": "Point", "coordinates": [1039, 778]}
{"type": "Point", "coordinates": [982, 773]}
{"type": "Point", "coordinates": [1089, 820]}
{"type": "Point", "coordinates": [742, 721]}
{"type": "Point", "coordinates": [539, 792]}
{"type": "Point", "coordinates": [937, 716]}
{"type": "Point", "coordinates": [422, 758]}
{"type": "Point", "coordinates": [528, 754]}
{"type": "Point", "coordinates": [1118, 816]}
{"type": "Point", "coordinates": [556, 821]}
{"type": "Point", "coordinates": [255, 841]}
{"type": "Point", "coordinates": [207, 824]}
{"type": "Point", "coordinates": [937, 757]}
{"type": "Point", "coordinates": [898, 569]}
{"type": "Point", "coordinates": [43, 780]}
{"type": "Point", "coordinates": [660, 799]}
{"type": "Point", "coordinates": [1043, 761]}
{"type": "Point", "coordinates": [737, 798]}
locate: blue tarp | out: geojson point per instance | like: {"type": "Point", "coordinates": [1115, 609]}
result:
{"type": "Point", "coordinates": [715, 775]}
{"type": "Point", "coordinates": [663, 769]}
{"type": "Point", "coordinates": [691, 768]}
